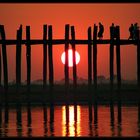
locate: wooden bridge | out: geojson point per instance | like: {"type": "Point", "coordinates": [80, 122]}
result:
{"type": "Point", "coordinates": [48, 42]}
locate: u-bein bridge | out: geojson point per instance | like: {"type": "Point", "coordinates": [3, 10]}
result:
{"type": "Point", "coordinates": [48, 42]}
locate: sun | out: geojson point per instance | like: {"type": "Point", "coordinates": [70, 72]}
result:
{"type": "Point", "coordinates": [70, 58]}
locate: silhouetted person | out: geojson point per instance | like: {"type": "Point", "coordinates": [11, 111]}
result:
{"type": "Point", "coordinates": [135, 31]}
{"type": "Point", "coordinates": [131, 30]}
{"type": "Point", "coordinates": [101, 31]}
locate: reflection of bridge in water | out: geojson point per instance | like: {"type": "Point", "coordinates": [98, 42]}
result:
{"type": "Point", "coordinates": [48, 42]}
{"type": "Point", "coordinates": [71, 120]}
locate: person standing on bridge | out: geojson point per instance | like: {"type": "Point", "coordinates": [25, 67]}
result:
{"type": "Point", "coordinates": [136, 31]}
{"type": "Point", "coordinates": [101, 31]}
{"type": "Point", "coordinates": [131, 30]}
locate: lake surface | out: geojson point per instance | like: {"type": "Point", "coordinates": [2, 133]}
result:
{"type": "Point", "coordinates": [69, 121]}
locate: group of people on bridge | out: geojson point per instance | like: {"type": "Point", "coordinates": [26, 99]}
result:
{"type": "Point", "coordinates": [133, 29]}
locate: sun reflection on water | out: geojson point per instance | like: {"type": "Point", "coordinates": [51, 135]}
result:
{"type": "Point", "coordinates": [73, 125]}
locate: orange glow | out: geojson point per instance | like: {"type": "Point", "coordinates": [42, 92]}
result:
{"type": "Point", "coordinates": [81, 16]}
{"type": "Point", "coordinates": [70, 58]}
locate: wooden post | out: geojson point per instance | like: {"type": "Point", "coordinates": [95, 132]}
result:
{"type": "Point", "coordinates": [95, 73]}
{"type": "Point", "coordinates": [95, 56]}
{"type": "Point", "coordinates": [138, 58]}
{"type": "Point", "coordinates": [4, 54]}
{"type": "Point", "coordinates": [51, 78]}
{"type": "Point", "coordinates": [118, 71]}
{"type": "Point", "coordinates": [74, 56]}
{"type": "Point", "coordinates": [118, 57]}
{"type": "Point", "coordinates": [0, 68]}
{"type": "Point", "coordinates": [112, 33]}
{"type": "Point", "coordinates": [18, 56]}
{"type": "Point", "coordinates": [138, 70]}
{"type": "Point", "coordinates": [28, 56]}
{"type": "Point", "coordinates": [111, 57]}
{"type": "Point", "coordinates": [66, 57]}
{"type": "Point", "coordinates": [44, 55]}
{"type": "Point", "coordinates": [89, 58]}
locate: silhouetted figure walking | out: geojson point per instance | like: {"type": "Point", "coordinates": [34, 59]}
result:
{"type": "Point", "coordinates": [131, 30]}
{"type": "Point", "coordinates": [101, 31]}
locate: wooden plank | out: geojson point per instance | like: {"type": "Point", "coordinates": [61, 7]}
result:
{"type": "Point", "coordinates": [89, 57]}
{"type": "Point", "coordinates": [74, 57]}
{"type": "Point", "coordinates": [124, 42]}
{"type": "Point", "coordinates": [44, 55]}
{"type": "Point", "coordinates": [51, 73]}
{"type": "Point", "coordinates": [4, 55]}
{"type": "Point", "coordinates": [95, 56]}
{"type": "Point", "coordinates": [66, 52]}
{"type": "Point", "coordinates": [18, 57]}
{"type": "Point", "coordinates": [28, 56]}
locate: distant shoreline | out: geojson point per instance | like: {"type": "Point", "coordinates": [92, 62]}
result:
{"type": "Point", "coordinates": [129, 94]}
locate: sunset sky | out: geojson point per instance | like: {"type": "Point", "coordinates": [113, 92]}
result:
{"type": "Point", "coordinates": [81, 16]}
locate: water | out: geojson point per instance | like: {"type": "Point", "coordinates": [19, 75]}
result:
{"type": "Point", "coordinates": [69, 121]}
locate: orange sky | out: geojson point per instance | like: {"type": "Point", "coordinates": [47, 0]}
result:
{"type": "Point", "coordinates": [80, 15]}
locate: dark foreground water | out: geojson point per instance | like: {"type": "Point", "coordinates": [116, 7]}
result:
{"type": "Point", "coordinates": [69, 121]}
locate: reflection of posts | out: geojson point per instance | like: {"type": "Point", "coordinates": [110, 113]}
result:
{"type": "Point", "coordinates": [29, 119]}
{"type": "Point", "coordinates": [75, 119]}
{"type": "Point", "coordinates": [45, 119]}
{"type": "Point", "coordinates": [52, 119]}
{"type": "Point", "coordinates": [0, 120]}
{"type": "Point", "coordinates": [0, 113]}
{"type": "Point", "coordinates": [19, 120]}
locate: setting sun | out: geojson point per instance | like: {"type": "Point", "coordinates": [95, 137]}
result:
{"type": "Point", "coordinates": [70, 58]}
